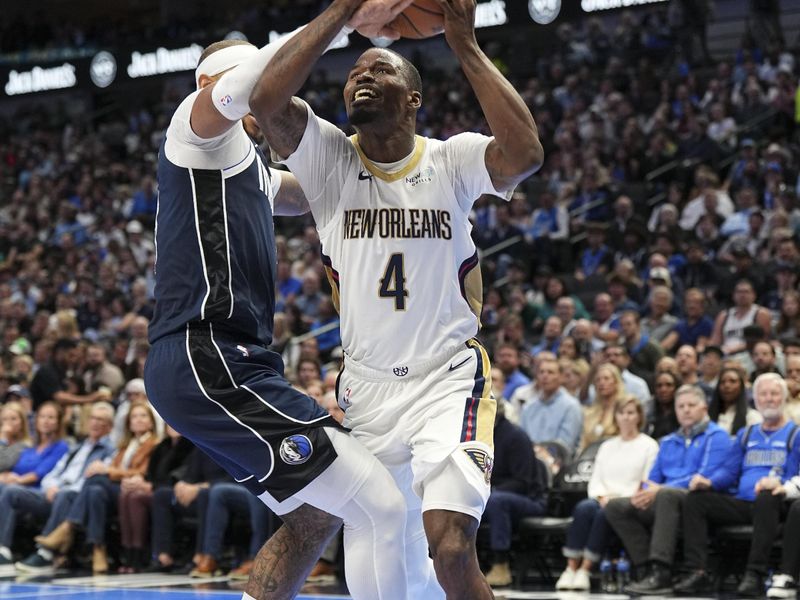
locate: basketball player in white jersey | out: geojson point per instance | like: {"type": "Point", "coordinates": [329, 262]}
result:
{"type": "Point", "coordinates": [210, 372]}
{"type": "Point", "coordinates": [392, 213]}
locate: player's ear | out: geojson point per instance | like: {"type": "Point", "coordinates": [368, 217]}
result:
{"type": "Point", "coordinates": [415, 99]}
{"type": "Point", "coordinates": [204, 80]}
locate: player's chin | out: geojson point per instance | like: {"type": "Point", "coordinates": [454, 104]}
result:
{"type": "Point", "coordinates": [363, 115]}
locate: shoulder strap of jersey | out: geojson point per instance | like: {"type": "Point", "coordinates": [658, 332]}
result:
{"type": "Point", "coordinates": [792, 436]}
{"type": "Point", "coordinates": [746, 436]}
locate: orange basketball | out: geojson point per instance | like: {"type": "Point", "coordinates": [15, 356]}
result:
{"type": "Point", "coordinates": [422, 19]}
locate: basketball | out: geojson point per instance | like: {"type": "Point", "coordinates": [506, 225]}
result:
{"type": "Point", "coordinates": [422, 19]}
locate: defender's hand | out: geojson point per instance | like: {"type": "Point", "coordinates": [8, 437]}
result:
{"type": "Point", "coordinates": [372, 17]}
{"type": "Point", "coordinates": [459, 21]}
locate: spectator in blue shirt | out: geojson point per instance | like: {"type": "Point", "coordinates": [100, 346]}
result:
{"type": "Point", "coordinates": [552, 415]}
{"type": "Point", "coordinates": [506, 358]}
{"type": "Point", "coordinates": [551, 337]}
{"type": "Point", "coordinates": [761, 458]}
{"type": "Point", "coordinates": [695, 328]}
{"type": "Point", "coordinates": [36, 462]}
{"type": "Point", "coordinates": [648, 522]}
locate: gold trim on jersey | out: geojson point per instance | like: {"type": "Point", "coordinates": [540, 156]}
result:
{"type": "Point", "coordinates": [334, 288]}
{"type": "Point", "coordinates": [487, 407]}
{"type": "Point", "coordinates": [473, 285]}
{"type": "Point", "coordinates": [419, 148]}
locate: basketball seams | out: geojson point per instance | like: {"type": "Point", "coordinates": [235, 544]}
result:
{"type": "Point", "coordinates": [425, 9]}
{"type": "Point", "coordinates": [412, 25]}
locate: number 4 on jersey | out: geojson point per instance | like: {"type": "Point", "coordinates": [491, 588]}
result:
{"type": "Point", "coordinates": [393, 283]}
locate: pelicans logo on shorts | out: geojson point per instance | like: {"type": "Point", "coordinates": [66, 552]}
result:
{"type": "Point", "coordinates": [482, 460]}
{"type": "Point", "coordinates": [296, 449]}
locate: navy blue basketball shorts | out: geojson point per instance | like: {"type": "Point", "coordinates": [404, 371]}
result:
{"type": "Point", "coordinates": [230, 399]}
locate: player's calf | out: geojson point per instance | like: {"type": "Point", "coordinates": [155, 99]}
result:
{"type": "Point", "coordinates": [282, 565]}
{"type": "Point", "coordinates": [451, 537]}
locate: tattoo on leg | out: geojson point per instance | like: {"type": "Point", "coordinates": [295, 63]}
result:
{"type": "Point", "coordinates": [282, 565]}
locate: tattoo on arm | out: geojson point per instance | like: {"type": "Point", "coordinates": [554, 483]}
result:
{"type": "Point", "coordinates": [285, 129]}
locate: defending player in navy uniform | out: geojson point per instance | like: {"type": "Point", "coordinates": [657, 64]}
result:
{"type": "Point", "coordinates": [392, 213]}
{"type": "Point", "coordinates": [209, 372]}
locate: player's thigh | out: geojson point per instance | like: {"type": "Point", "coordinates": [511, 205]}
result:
{"type": "Point", "coordinates": [356, 476]}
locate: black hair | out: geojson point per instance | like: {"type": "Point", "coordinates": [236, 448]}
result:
{"type": "Point", "coordinates": [411, 73]}
{"type": "Point", "coordinates": [715, 406]}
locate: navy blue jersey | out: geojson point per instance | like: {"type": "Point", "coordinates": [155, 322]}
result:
{"type": "Point", "coordinates": [215, 247]}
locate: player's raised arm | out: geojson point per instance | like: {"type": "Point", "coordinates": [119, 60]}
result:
{"type": "Point", "coordinates": [516, 151]}
{"type": "Point", "coordinates": [282, 119]}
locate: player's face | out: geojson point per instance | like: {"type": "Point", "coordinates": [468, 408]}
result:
{"type": "Point", "coordinates": [376, 86]}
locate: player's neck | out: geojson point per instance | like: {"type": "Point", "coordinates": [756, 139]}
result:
{"type": "Point", "coordinates": [386, 146]}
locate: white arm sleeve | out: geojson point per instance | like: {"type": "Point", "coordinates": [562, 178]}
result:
{"type": "Point", "coordinates": [231, 94]}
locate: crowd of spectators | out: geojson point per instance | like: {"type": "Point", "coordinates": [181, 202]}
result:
{"type": "Point", "coordinates": [656, 249]}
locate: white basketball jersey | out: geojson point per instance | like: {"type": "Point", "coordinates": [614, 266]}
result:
{"type": "Point", "coordinates": [397, 245]}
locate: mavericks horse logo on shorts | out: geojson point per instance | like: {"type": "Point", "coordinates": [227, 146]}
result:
{"type": "Point", "coordinates": [296, 449]}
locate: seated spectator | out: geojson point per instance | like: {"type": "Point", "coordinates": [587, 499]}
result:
{"type": "Point", "coordinates": [711, 366]}
{"type": "Point", "coordinates": [789, 315]}
{"type": "Point", "coordinates": [328, 315]}
{"type": "Point", "coordinates": [587, 345]}
{"type": "Point", "coordinates": [688, 369]}
{"type": "Point", "coordinates": [568, 348]}
{"type": "Point", "coordinates": [574, 375]}
{"type": "Point", "coordinates": [783, 583]}
{"type": "Point", "coordinates": [187, 497]}
{"type": "Point", "coordinates": [729, 326]}
{"type": "Point", "coordinates": [519, 490]}
{"type": "Point", "coordinates": [50, 381]}
{"type": "Point", "coordinates": [551, 414]}
{"type": "Point", "coordinates": [622, 463]}
{"type": "Point", "coordinates": [664, 421]}
{"type": "Point", "coordinates": [605, 325]}
{"type": "Point", "coordinates": [506, 358]}
{"type": "Point", "coordinates": [728, 407]}
{"type": "Point", "coordinates": [58, 491]}
{"type": "Point", "coordinates": [658, 324]}
{"type": "Point", "coordinates": [667, 364]}
{"type": "Point", "coordinates": [14, 435]}
{"type": "Point", "coordinates": [134, 393]}
{"type": "Point", "coordinates": [100, 495]}
{"type": "Point", "coordinates": [764, 360]}
{"type": "Point", "coordinates": [617, 355]}
{"type": "Point", "coordinates": [551, 337]}
{"type": "Point", "coordinates": [37, 461]}
{"type": "Point", "coordinates": [598, 419]}
{"type": "Point", "coordinates": [698, 273]}
{"type": "Point", "coordinates": [793, 383]}
{"type": "Point", "coordinates": [695, 328]}
{"type": "Point", "coordinates": [648, 522]}
{"type": "Point", "coordinates": [597, 258]}
{"type": "Point", "coordinates": [136, 496]}
{"type": "Point", "coordinates": [644, 352]}
{"type": "Point", "coordinates": [224, 500]}
{"type": "Point", "coordinates": [761, 458]}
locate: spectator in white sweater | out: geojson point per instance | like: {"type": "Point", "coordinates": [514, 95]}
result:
{"type": "Point", "coordinates": [622, 464]}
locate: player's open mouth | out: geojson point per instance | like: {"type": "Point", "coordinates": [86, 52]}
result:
{"type": "Point", "coordinates": [364, 94]}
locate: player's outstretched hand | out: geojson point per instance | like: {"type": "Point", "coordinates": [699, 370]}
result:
{"type": "Point", "coordinates": [459, 21]}
{"type": "Point", "coordinates": [372, 17]}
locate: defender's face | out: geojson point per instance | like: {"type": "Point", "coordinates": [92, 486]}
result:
{"type": "Point", "coordinates": [376, 86]}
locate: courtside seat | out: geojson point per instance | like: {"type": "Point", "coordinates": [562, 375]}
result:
{"type": "Point", "coordinates": [538, 544]}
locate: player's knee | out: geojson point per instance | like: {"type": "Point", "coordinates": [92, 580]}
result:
{"type": "Point", "coordinates": [311, 524]}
